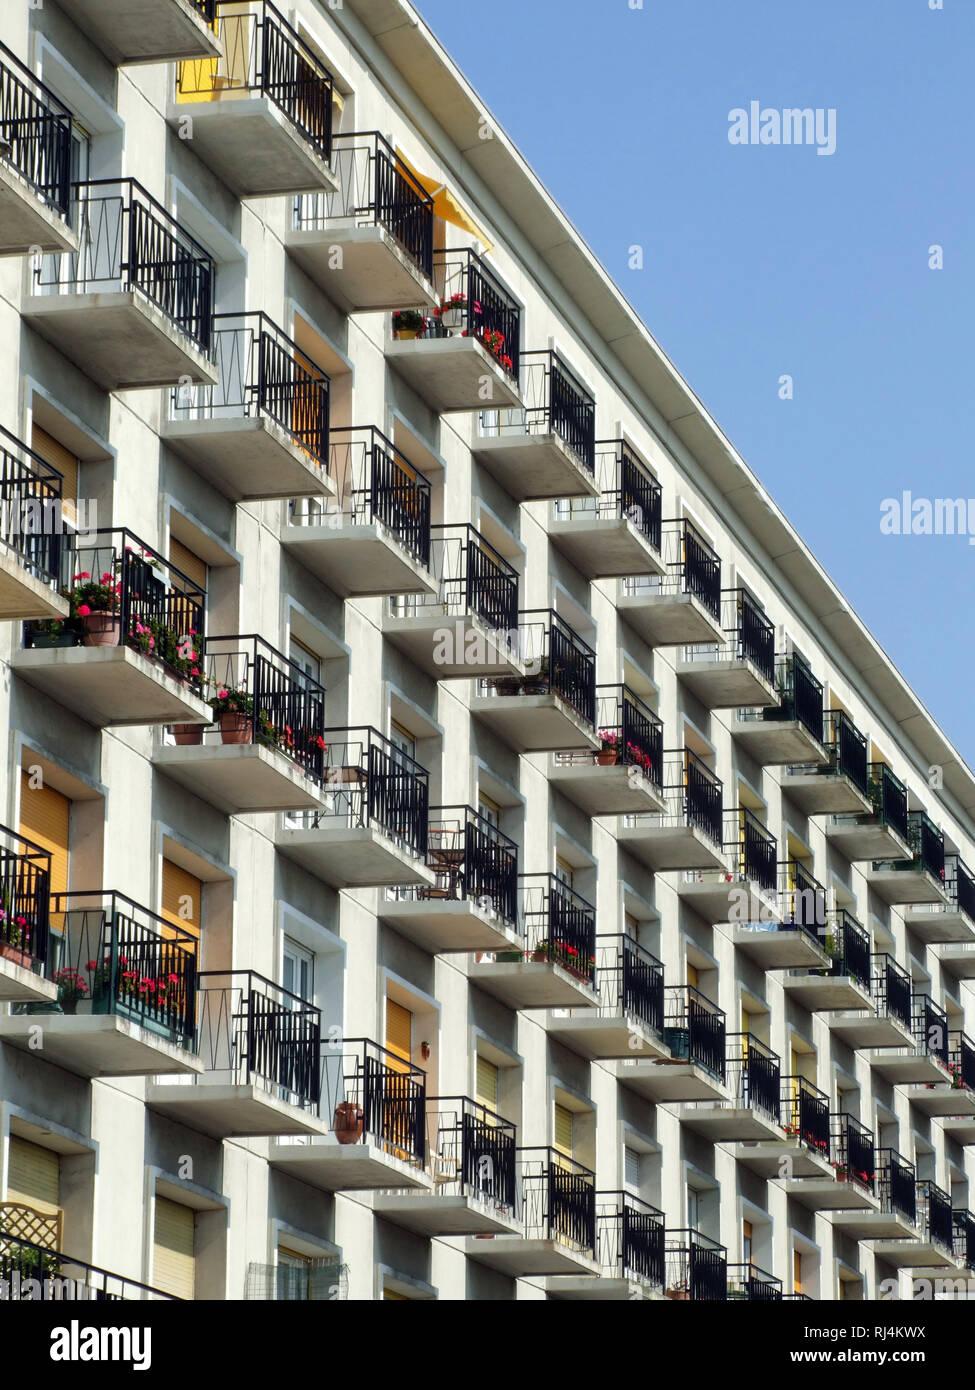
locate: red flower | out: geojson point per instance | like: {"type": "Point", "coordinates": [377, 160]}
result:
{"type": "Point", "coordinates": [83, 610]}
{"type": "Point", "coordinates": [92, 965]}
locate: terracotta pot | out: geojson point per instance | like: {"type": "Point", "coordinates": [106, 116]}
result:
{"type": "Point", "coordinates": [607, 757]}
{"type": "Point", "coordinates": [102, 629]}
{"type": "Point", "coordinates": [347, 1122]}
{"type": "Point", "coordinates": [236, 728]}
{"type": "Point", "coordinates": [188, 733]}
{"type": "Point", "coordinates": [679, 1295]}
{"type": "Point", "coordinates": [404, 335]}
{"type": "Point", "coordinates": [69, 1006]}
{"type": "Point", "coordinates": [15, 954]}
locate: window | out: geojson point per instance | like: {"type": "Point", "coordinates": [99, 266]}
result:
{"type": "Point", "coordinates": [67, 464]}
{"type": "Point", "coordinates": [174, 1248]}
{"type": "Point", "coordinates": [298, 970]}
{"type": "Point", "coordinates": [747, 1242]}
{"type": "Point", "coordinates": [691, 972]}
{"type": "Point", "coordinates": [693, 1209]}
{"type": "Point", "coordinates": [34, 1189]}
{"type": "Point", "coordinates": [796, 1272]}
{"type": "Point", "coordinates": [45, 818]}
{"type": "Point", "coordinates": [182, 898]}
{"type": "Point", "coordinates": [402, 739]}
{"type": "Point", "coordinates": [305, 660]}
{"type": "Point", "coordinates": [631, 1169]}
{"type": "Point", "coordinates": [399, 1030]}
{"type": "Point", "coordinates": [631, 927]}
{"type": "Point", "coordinates": [564, 872]}
{"type": "Point", "coordinates": [489, 810]}
{"type": "Point", "coordinates": [188, 563]}
{"type": "Point", "coordinates": [563, 1130]}
{"type": "Point", "coordinates": [487, 1083]}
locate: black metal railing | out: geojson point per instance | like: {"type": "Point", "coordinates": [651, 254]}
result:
{"type": "Point", "coordinates": [475, 304]}
{"type": "Point", "coordinates": [748, 633]}
{"type": "Point", "coordinates": [472, 579]}
{"type": "Point", "coordinates": [31, 520]}
{"type": "Point", "coordinates": [557, 1198]}
{"type": "Point", "coordinates": [930, 1027]}
{"type": "Point", "coordinates": [961, 1061]}
{"type": "Point", "coordinates": [473, 861]}
{"type": "Point", "coordinates": [630, 982]}
{"type": "Point", "coordinates": [262, 53]}
{"type": "Point", "coordinates": [749, 1284]}
{"type": "Point", "coordinates": [35, 132]}
{"type": "Point", "coordinates": [692, 566]}
{"type": "Point", "coordinates": [694, 1029]}
{"type": "Point", "coordinates": [374, 1096]}
{"type": "Point", "coordinates": [928, 844]}
{"type": "Point", "coordinates": [560, 926]}
{"type": "Point", "coordinates": [803, 901]}
{"type": "Point", "coordinates": [376, 188]}
{"type": "Point", "coordinates": [630, 1238]}
{"type": "Point", "coordinates": [110, 955]}
{"type": "Point", "coordinates": [963, 1237]}
{"type": "Point", "coordinates": [848, 946]}
{"type": "Point", "coordinates": [129, 242]}
{"type": "Point", "coordinates": [471, 1151]}
{"type": "Point", "coordinates": [33, 1273]}
{"type": "Point", "coordinates": [960, 885]}
{"type": "Point", "coordinates": [369, 782]}
{"type": "Point", "coordinates": [701, 794]}
{"type": "Point", "coordinates": [555, 403]}
{"type": "Point", "coordinates": [847, 749]}
{"type": "Point", "coordinates": [854, 1154]}
{"type": "Point", "coordinates": [897, 1184]}
{"type": "Point", "coordinates": [256, 689]}
{"type": "Point", "coordinates": [253, 1031]}
{"type": "Point", "coordinates": [801, 698]}
{"type": "Point", "coordinates": [25, 892]}
{"type": "Point", "coordinates": [630, 729]}
{"type": "Point", "coordinates": [207, 8]}
{"type": "Point", "coordinates": [754, 851]}
{"type": "Point", "coordinates": [805, 1114]}
{"type": "Point", "coordinates": [557, 661]}
{"type": "Point", "coordinates": [934, 1215]}
{"type": "Point", "coordinates": [889, 797]}
{"type": "Point", "coordinates": [696, 1267]}
{"type": "Point", "coordinates": [627, 489]}
{"type": "Point", "coordinates": [262, 373]}
{"type": "Point", "coordinates": [754, 1074]}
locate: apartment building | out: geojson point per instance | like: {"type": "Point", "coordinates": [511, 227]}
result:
{"type": "Point", "coordinates": [457, 841]}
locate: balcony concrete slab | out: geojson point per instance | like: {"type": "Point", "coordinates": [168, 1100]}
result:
{"type": "Point", "coordinates": [253, 148]}
{"type": "Point", "coordinates": [97, 1045]}
{"type": "Point", "coordinates": [455, 374]}
{"type": "Point", "coordinates": [144, 31]}
{"type": "Point", "coordinates": [610, 547]}
{"type": "Point", "coordinates": [361, 561]}
{"type": "Point", "coordinates": [231, 1111]}
{"type": "Point", "coordinates": [248, 459]}
{"type": "Point", "coordinates": [374, 271]}
{"type": "Point", "coordinates": [23, 595]}
{"type": "Point", "coordinates": [444, 926]}
{"type": "Point", "coordinates": [670, 620]}
{"type": "Point", "coordinates": [349, 856]}
{"type": "Point", "coordinates": [239, 779]}
{"type": "Point", "coordinates": [26, 220]}
{"type": "Point", "coordinates": [334, 1167]}
{"type": "Point", "coordinates": [534, 467]}
{"type": "Point", "coordinates": [110, 686]}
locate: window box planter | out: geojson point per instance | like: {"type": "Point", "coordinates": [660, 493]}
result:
{"type": "Point", "coordinates": [514, 957]}
{"type": "Point", "coordinates": [47, 640]}
{"type": "Point", "coordinates": [184, 734]}
{"type": "Point", "coordinates": [16, 954]}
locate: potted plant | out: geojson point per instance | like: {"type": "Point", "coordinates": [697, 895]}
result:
{"type": "Point", "coordinates": [54, 632]}
{"type": "Point", "coordinates": [15, 940]}
{"type": "Point", "coordinates": [408, 323]}
{"type": "Point", "coordinates": [348, 1122]}
{"type": "Point", "coordinates": [609, 754]}
{"type": "Point", "coordinates": [95, 604]}
{"type": "Point", "coordinates": [233, 710]}
{"type": "Point", "coordinates": [72, 987]}
{"type": "Point", "coordinates": [453, 312]}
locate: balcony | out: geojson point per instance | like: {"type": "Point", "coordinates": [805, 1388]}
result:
{"type": "Point", "coordinates": [630, 1251]}
{"type": "Point", "coordinates": [953, 922]}
{"type": "Point", "coordinates": [375, 537]}
{"type": "Point", "coordinates": [894, 1217]}
{"type": "Point", "coordinates": [626, 773]}
{"type": "Point", "coordinates": [473, 903]}
{"type": "Point", "coordinates": [682, 607]}
{"type": "Point", "coordinates": [934, 1238]}
{"type": "Point", "coordinates": [926, 1060]}
{"type": "Point", "coordinates": [556, 968]}
{"type": "Point", "coordinates": [745, 890]}
{"type": "Point", "coordinates": [841, 785]}
{"type": "Point", "coordinates": [25, 942]}
{"type": "Point", "coordinates": [919, 878]}
{"type": "Point", "coordinates": [469, 625]}
{"type": "Point", "coordinates": [888, 1022]}
{"type": "Point", "coordinates": [616, 533]}
{"type": "Point", "coordinates": [551, 706]}
{"type": "Point", "coordinates": [844, 983]}
{"type": "Point", "coordinates": [125, 982]}
{"type": "Point", "coordinates": [260, 1048]}
{"type": "Point", "coordinates": [147, 31]}
{"type": "Point", "coordinates": [628, 1020]}
{"type": "Point", "coordinates": [749, 1284]}
{"type": "Point", "coordinates": [799, 939]}
{"type": "Point", "coordinates": [883, 834]}
{"type": "Point", "coordinates": [379, 218]}
{"type": "Point", "coordinates": [471, 1161]}
{"type": "Point", "coordinates": [36, 1273]}
{"type": "Point", "coordinates": [557, 1210]}
{"type": "Point", "coordinates": [740, 669]}
{"type": "Point", "coordinates": [35, 163]}
{"type": "Point", "coordinates": [373, 1104]}
{"type": "Point", "coordinates": [849, 1181]}
{"type": "Point", "coordinates": [264, 750]}
{"type": "Point", "coordinates": [545, 449]}
{"type": "Point", "coordinates": [694, 1032]}
{"type": "Point", "coordinates": [30, 534]}
{"type": "Point", "coordinates": [262, 431]}
{"type": "Point", "coordinates": [132, 657]}
{"type": "Point", "coordinates": [752, 1073]}
{"type": "Point", "coordinates": [696, 1268]}
{"type": "Point", "coordinates": [804, 1150]}
{"type": "Point", "coordinates": [958, 958]}
{"type": "Point", "coordinates": [467, 354]}
{"type": "Point", "coordinates": [372, 829]}
{"type": "Point", "coordinates": [792, 731]}
{"type": "Point", "coordinates": [261, 112]}
{"type": "Point", "coordinates": [954, 1097]}
{"type": "Point", "coordinates": [687, 833]}
{"type": "Point", "coordinates": [963, 1242]}
{"type": "Point", "coordinates": [132, 307]}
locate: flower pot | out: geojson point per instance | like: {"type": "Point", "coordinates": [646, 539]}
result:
{"type": "Point", "coordinates": [453, 319]}
{"type": "Point", "coordinates": [236, 728]}
{"type": "Point", "coordinates": [102, 629]}
{"type": "Point", "coordinates": [347, 1122]}
{"type": "Point", "coordinates": [69, 1006]}
{"type": "Point", "coordinates": [607, 757]}
{"type": "Point", "coordinates": [184, 734]}
{"type": "Point", "coordinates": [509, 958]}
{"type": "Point", "coordinates": [406, 334]}
{"type": "Point", "coordinates": [679, 1295]}
{"type": "Point", "coordinates": [16, 954]}
{"type": "Point", "coordinates": [43, 640]}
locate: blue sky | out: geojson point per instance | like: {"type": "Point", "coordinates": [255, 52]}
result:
{"type": "Point", "coordinates": [764, 261]}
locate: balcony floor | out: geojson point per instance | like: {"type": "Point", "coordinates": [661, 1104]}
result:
{"type": "Point", "coordinates": [248, 459]}
{"type": "Point", "coordinates": [774, 947]}
{"type": "Point", "coordinates": [668, 1081]}
{"type": "Point", "coordinates": [715, 902]}
{"type": "Point", "coordinates": [919, 1253]}
{"type": "Point", "coordinates": [20, 985]}
{"type": "Point", "coordinates": [960, 1128]}
{"type": "Point", "coordinates": [231, 1112]}
{"type": "Point", "coordinates": [375, 271]}
{"type": "Point", "coordinates": [902, 886]}
{"type": "Point", "coordinates": [873, 1224]}
{"type": "Point", "coordinates": [119, 339]}
{"type": "Point", "coordinates": [937, 925]}
{"type": "Point", "coordinates": [942, 1100]}
{"type": "Point", "coordinates": [353, 857]}
{"type": "Point", "coordinates": [444, 926]}
{"type": "Point", "coordinates": [239, 779]}
{"type": "Point", "coordinates": [358, 561]}
{"type": "Point", "coordinates": [607, 1287]}
{"type": "Point", "coordinates": [334, 1167]}
{"type": "Point", "coordinates": [609, 547]}
{"type": "Point", "coordinates": [599, 1035]}
{"type": "Point", "coordinates": [866, 1030]}
{"type": "Point", "coordinates": [726, 684]}
{"type": "Point", "coordinates": [670, 620]}
{"type": "Point", "coordinates": [534, 723]}
{"type": "Point", "coordinates": [820, 994]}
{"type": "Point", "coordinates": [666, 848]}
{"type": "Point", "coordinates": [26, 220]}
{"type": "Point", "coordinates": [824, 793]}
{"type": "Point", "coordinates": [433, 1214]}
{"type": "Point", "coordinates": [109, 686]}
{"type": "Point", "coordinates": [827, 1194]}
{"type": "Point", "coordinates": [906, 1066]}
{"type": "Point", "coordinates": [251, 146]}
{"type": "Point", "coordinates": [959, 960]}
{"type": "Point", "coordinates": [450, 374]}
{"type": "Point", "coordinates": [519, 1257]}
{"type": "Point", "coordinates": [534, 467]}
{"type": "Point", "coordinates": [96, 1045]}
{"type": "Point", "coordinates": [531, 984]}
{"type": "Point", "coordinates": [778, 742]}
{"type": "Point", "coordinates": [768, 1160]}
{"type": "Point", "coordinates": [598, 790]}
{"type": "Point", "coordinates": [23, 595]}
{"type": "Point", "coordinates": [860, 840]}
{"type": "Point", "coordinates": [448, 647]}
{"type": "Point", "coordinates": [144, 31]}
{"type": "Point", "coordinates": [722, 1123]}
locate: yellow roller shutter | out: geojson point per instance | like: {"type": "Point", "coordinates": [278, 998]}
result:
{"type": "Point", "coordinates": [563, 1130]}
{"type": "Point", "coordinates": [396, 1297]}
{"type": "Point", "coordinates": [174, 1248]}
{"type": "Point", "coordinates": [182, 897]}
{"type": "Point", "coordinates": [54, 453]}
{"type": "Point", "coordinates": [44, 818]}
{"type": "Point", "coordinates": [33, 1175]}
{"type": "Point", "coordinates": [191, 565]}
{"type": "Point", "coordinates": [487, 1083]}
{"type": "Point", "coordinates": [399, 1030]}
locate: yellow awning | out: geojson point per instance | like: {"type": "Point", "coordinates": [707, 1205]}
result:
{"type": "Point", "coordinates": [446, 206]}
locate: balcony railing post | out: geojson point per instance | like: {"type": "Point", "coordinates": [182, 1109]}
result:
{"type": "Point", "coordinates": [37, 130]}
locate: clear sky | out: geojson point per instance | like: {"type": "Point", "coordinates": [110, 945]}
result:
{"type": "Point", "coordinates": [764, 261]}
